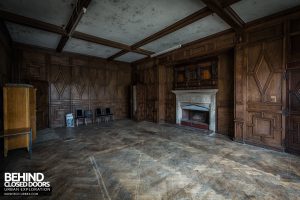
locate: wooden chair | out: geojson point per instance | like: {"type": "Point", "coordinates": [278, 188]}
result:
{"type": "Point", "coordinates": [109, 115]}
{"type": "Point", "coordinates": [79, 116]}
{"type": "Point", "coordinates": [99, 115]}
{"type": "Point", "coordinates": [88, 115]}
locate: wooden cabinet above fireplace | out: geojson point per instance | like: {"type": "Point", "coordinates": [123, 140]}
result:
{"type": "Point", "coordinates": [197, 75]}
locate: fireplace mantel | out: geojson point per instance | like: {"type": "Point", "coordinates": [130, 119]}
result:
{"type": "Point", "coordinates": [207, 91]}
{"type": "Point", "coordinates": [200, 96]}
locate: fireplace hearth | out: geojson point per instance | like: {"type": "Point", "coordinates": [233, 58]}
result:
{"type": "Point", "coordinates": [195, 116]}
{"type": "Point", "coordinates": [196, 108]}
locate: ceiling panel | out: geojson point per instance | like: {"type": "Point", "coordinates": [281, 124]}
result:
{"type": "Point", "coordinates": [202, 28]}
{"type": "Point", "coordinates": [88, 48]}
{"type": "Point", "coordinates": [130, 57]}
{"type": "Point", "coordinates": [129, 21]}
{"type": "Point", "coordinates": [32, 36]}
{"type": "Point", "coordinates": [55, 12]}
{"type": "Point", "coordinates": [250, 10]}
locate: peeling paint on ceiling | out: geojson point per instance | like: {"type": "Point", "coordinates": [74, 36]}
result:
{"type": "Point", "coordinates": [88, 48]}
{"type": "Point", "coordinates": [250, 10]}
{"type": "Point", "coordinates": [55, 12]}
{"type": "Point", "coordinates": [130, 57]}
{"type": "Point", "coordinates": [129, 21]}
{"type": "Point", "coordinates": [206, 26]}
{"type": "Point", "coordinates": [31, 36]}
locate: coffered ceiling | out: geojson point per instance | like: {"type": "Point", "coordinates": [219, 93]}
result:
{"type": "Point", "coordinates": [127, 30]}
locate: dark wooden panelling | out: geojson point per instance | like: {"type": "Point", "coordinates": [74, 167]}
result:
{"type": "Point", "coordinates": [239, 90]}
{"type": "Point", "coordinates": [294, 39]}
{"type": "Point", "coordinates": [170, 98]}
{"type": "Point", "coordinates": [5, 62]}
{"type": "Point", "coordinates": [42, 103]}
{"type": "Point", "coordinates": [259, 87]}
{"type": "Point", "coordinates": [147, 92]}
{"type": "Point", "coordinates": [157, 103]}
{"type": "Point", "coordinates": [77, 82]}
{"type": "Point", "coordinates": [264, 87]}
{"type": "Point", "coordinates": [293, 111]}
{"type": "Point", "coordinates": [201, 48]}
{"type": "Point", "coordinates": [225, 95]}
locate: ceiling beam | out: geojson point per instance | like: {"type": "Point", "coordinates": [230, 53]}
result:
{"type": "Point", "coordinates": [101, 41]}
{"type": "Point", "coordinates": [120, 53]}
{"type": "Point", "coordinates": [79, 10]}
{"type": "Point", "coordinates": [227, 14]}
{"type": "Point", "coordinates": [204, 12]}
{"type": "Point", "coordinates": [25, 21]}
{"type": "Point", "coordinates": [226, 3]}
{"type": "Point", "coordinates": [5, 31]}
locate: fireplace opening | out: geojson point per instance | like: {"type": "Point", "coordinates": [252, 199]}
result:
{"type": "Point", "coordinates": [195, 116]}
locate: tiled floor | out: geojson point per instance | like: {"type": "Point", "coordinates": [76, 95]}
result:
{"type": "Point", "coordinates": [129, 160]}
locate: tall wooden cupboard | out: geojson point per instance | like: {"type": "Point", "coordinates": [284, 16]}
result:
{"type": "Point", "coordinates": [19, 101]}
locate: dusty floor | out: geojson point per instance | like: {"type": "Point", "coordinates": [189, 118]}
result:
{"type": "Point", "coordinates": [129, 160]}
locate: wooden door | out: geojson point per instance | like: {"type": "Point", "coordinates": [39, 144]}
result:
{"type": "Point", "coordinates": [42, 105]}
{"type": "Point", "coordinates": [293, 111]}
{"type": "Point", "coordinates": [265, 94]}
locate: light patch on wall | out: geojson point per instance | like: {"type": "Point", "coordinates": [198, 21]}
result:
{"type": "Point", "coordinates": [206, 26]}
{"type": "Point", "coordinates": [129, 21]}
{"type": "Point", "coordinates": [55, 12]}
{"type": "Point", "coordinates": [88, 48]}
{"type": "Point", "coordinates": [130, 57]}
{"type": "Point", "coordinates": [250, 10]}
{"type": "Point", "coordinates": [32, 36]}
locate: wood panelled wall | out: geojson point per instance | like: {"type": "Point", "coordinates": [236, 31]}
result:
{"type": "Point", "coordinates": [76, 82]}
{"type": "Point", "coordinates": [157, 103]}
{"type": "Point", "coordinates": [262, 115]}
{"type": "Point", "coordinates": [225, 95]}
{"type": "Point", "coordinates": [5, 62]}
{"type": "Point", "coordinates": [146, 81]}
{"type": "Point", "coordinates": [262, 98]}
{"type": "Point", "coordinates": [260, 84]}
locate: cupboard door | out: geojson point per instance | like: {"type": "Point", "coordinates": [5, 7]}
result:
{"type": "Point", "coordinates": [265, 88]}
{"type": "Point", "coordinates": [16, 114]}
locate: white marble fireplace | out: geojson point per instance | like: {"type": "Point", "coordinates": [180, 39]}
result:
{"type": "Point", "coordinates": [203, 98]}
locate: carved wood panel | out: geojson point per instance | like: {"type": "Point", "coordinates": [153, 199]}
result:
{"type": "Point", "coordinates": [200, 48]}
{"type": "Point", "coordinates": [264, 93]}
{"type": "Point", "coordinates": [78, 82]}
{"type": "Point", "coordinates": [60, 79]}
